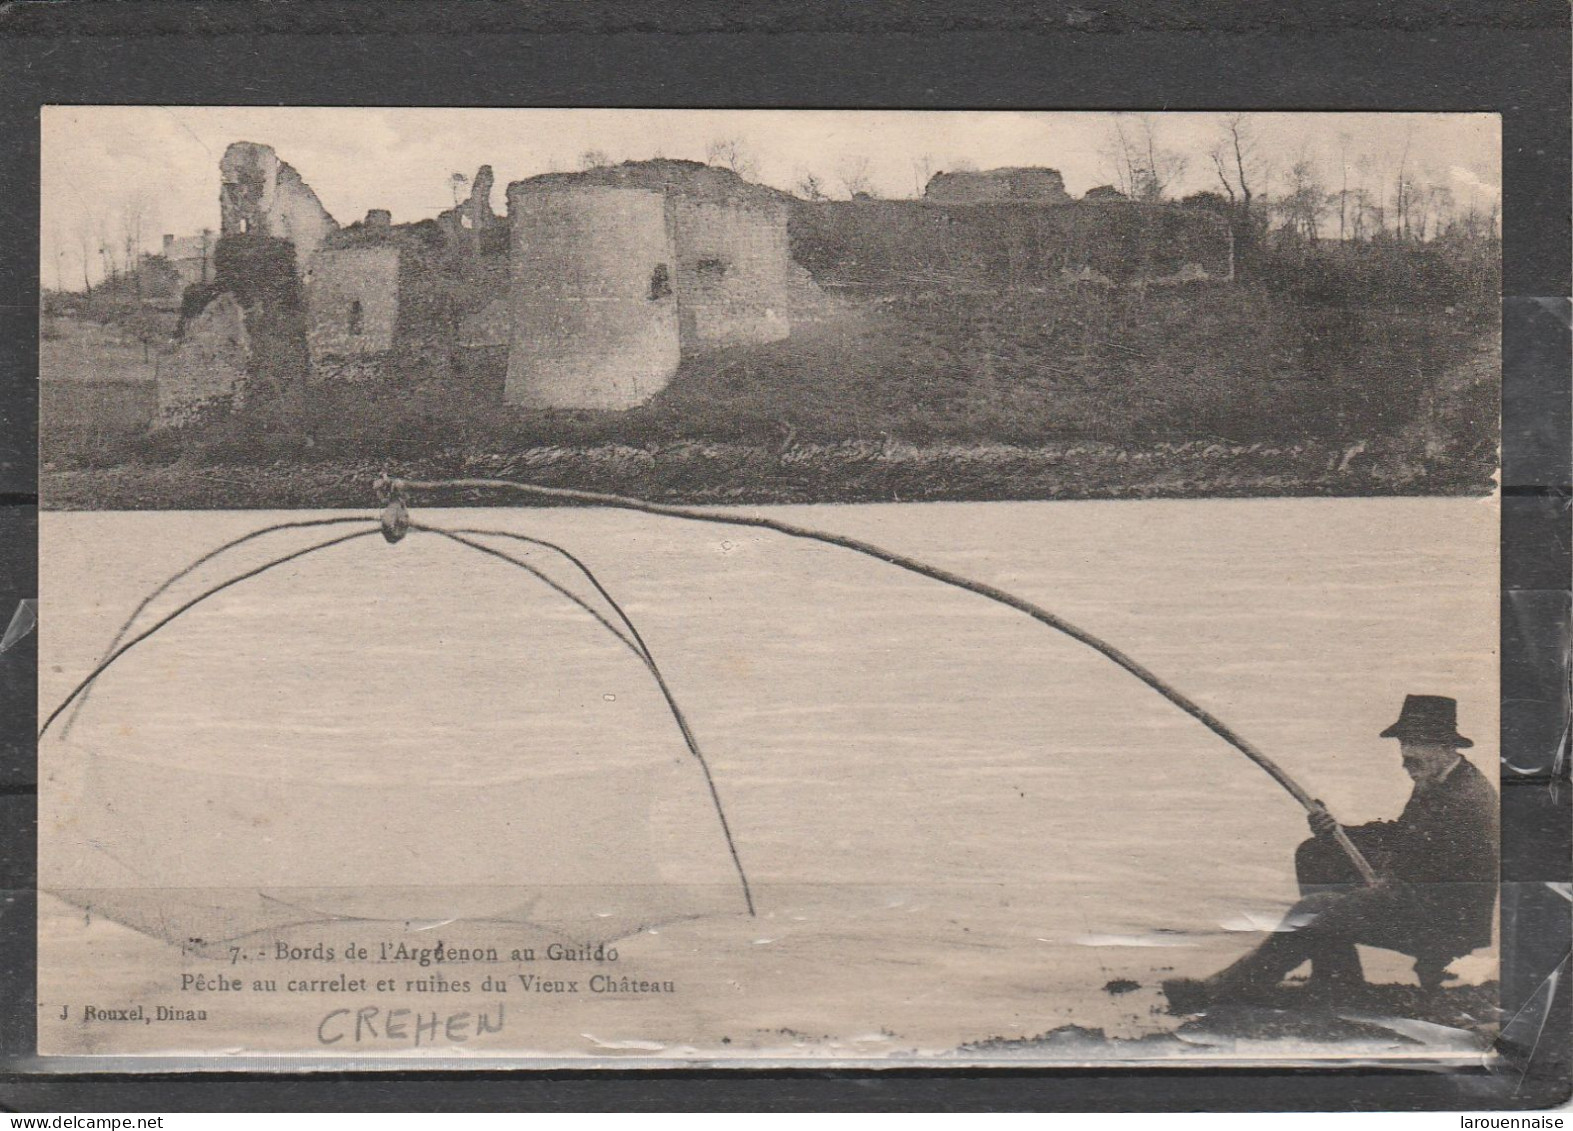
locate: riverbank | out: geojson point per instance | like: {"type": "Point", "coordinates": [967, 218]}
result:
{"type": "Point", "coordinates": [1381, 1021]}
{"type": "Point", "coordinates": [855, 471]}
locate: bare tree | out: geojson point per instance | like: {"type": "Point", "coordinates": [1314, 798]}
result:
{"type": "Point", "coordinates": [1242, 171]}
{"type": "Point", "coordinates": [1436, 207]}
{"type": "Point", "coordinates": [1144, 167]}
{"type": "Point", "coordinates": [1304, 202]}
{"type": "Point", "coordinates": [922, 171]}
{"type": "Point", "coordinates": [1343, 183]}
{"type": "Point", "coordinates": [810, 187]}
{"type": "Point", "coordinates": [1361, 198]}
{"type": "Point", "coordinates": [1405, 191]}
{"type": "Point", "coordinates": [1162, 166]}
{"type": "Point", "coordinates": [1376, 198]}
{"type": "Point", "coordinates": [732, 153]}
{"type": "Point", "coordinates": [595, 159]}
{"type": "Point", "coordinates": [1120, 153]}
{"type": "Point", "coordinates": [1357, 205]}
{"type": "Point", "coordinates": [138, 216]}
{"type": "Point", "coordinates": [87, 236]}
{"type": "Point", "coordinates": [853, 173]}
{"type": "Point", "coordinates": [1403, 187]}
{"type": "Point", "coordinates": [1235, 159]}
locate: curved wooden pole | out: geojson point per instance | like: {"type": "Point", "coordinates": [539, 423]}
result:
{"type": "Point", "coordinates": [923, 569]}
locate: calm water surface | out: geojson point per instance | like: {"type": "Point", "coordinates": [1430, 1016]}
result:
{"type": "Point", "coordinates": [956, 823]}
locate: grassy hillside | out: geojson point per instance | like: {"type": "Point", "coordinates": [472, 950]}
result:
{"type": "Point", "coordinates": [1219, 362]}
{"type": "Point", "coordinates": [1331, 350]}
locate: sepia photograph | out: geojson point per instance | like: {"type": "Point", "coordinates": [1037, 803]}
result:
{"type": "Point", "coordinates": [616, 587]}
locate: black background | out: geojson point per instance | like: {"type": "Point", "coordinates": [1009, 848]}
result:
{"type": "Point", "coordinates": [1512, 58]}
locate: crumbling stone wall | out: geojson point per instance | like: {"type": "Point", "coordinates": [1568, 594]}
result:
{"type": "Point", "coordinates": [259, 271]}
{"type": "Point", "coordinates": [892, 244]}
{"type": "Point", "coordinates": [473, 214]}
{"type": "Point", "coordinates": [600, 281]}
{"type": "Point", "coordinates": [733, 272]}
{"type": "Point", "coordinates": [433, 292]}
{"type": "Point", "coordinates": [481, 361]}
{"type": "Point", "coordinates": [592, 296]}
{"type": "Point", "coordinates": [489, 327]}
{"type": "Point", "coordinates": [352, 305]}
{"type": "Point", "coordinates": [387, 300]}
{"type": "Point", "coordinates": [262, 195]}
{"type": "Point", "coordinates": [208, 372]}
{"type": "Point", "coordinates": [1032, 185]}
{"type": "Point", "coordinates": [191, 257]}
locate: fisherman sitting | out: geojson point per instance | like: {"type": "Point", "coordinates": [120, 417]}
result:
{"type": "Point", "coordinates": [1436, 868]}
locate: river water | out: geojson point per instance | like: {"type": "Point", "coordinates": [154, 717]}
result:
{"type": "Point", "coordinates": [955, 823]}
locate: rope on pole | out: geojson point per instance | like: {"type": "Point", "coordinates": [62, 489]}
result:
{"type": "Point", "coordinates": [195, 565]}
{"type": "Point", "coordinates": [632, 640]}
{"type": "Point", "coordinates": [923, 569]}
{"type": "Point", "coordinates": [642, 650]}
{"type": "Point", "coordinates": [187, 607]}
{"type": "Point", "coordinates": [457, 536]}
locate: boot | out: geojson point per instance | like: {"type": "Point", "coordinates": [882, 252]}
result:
{"type": "Point", "coordinates": [1257, 976]}
{"type": "Point", "coordinates": [1187, 995]}
{"type": "Point", "coordinates": [1431, 971]}
{"type": "Point", "coordinates": [1254, 978]}
{"type": "Point", "coordinates": [1336, 975]}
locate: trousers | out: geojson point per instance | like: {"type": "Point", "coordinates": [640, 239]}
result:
{"type": "Point", "coordinates": [1336, 913]}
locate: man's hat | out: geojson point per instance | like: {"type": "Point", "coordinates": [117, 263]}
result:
{"type": "Point", "coordinates": [1429, 718]}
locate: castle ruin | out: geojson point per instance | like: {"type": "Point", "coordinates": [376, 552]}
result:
{"type": "Point", "coordinates": [998, 186]}
{"type": "Point", "coordinates": [595, 287]}
{"type": "Point", "coordinates": [262, 195]}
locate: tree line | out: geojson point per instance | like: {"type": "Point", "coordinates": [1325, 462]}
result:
{"type": "Point", "coordinates": [1351, 195]}
{"type": "Point", "coordinates": [1363, 198]}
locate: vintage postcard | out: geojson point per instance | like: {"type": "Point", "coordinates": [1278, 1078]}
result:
{"type": "Point", "coordinates": [752, 587]}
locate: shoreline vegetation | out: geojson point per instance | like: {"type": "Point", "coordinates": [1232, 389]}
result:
{"type": "Point", "coordinates": [1447, 447]}
{"type": "Point", "coordinates": [730, 474]}
{"type": "Point", "coordinates": [988, 336]}
{"type": "Point", "coordinates": [1348, 370]}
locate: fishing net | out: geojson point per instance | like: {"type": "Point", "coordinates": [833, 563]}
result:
{"type": "Point", "coordinates": [316, 745]}
{"type": "Point", "coordinates": [469, 725]}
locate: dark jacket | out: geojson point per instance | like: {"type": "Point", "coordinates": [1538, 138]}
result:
{"type": "Point", "coordinates": [1446, 833]}
{"type": "Point", "coordinates": [1443, 852]}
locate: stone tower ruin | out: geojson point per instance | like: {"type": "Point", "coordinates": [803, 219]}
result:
{"type": "Point", "coordinates": [733, 271]}
{"type": "Point", "coordinates": [592, 296]}
{"type": "Point", "coordinates": [599, 283]}
{"type": "Point", "coordinates": [264, 196]}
